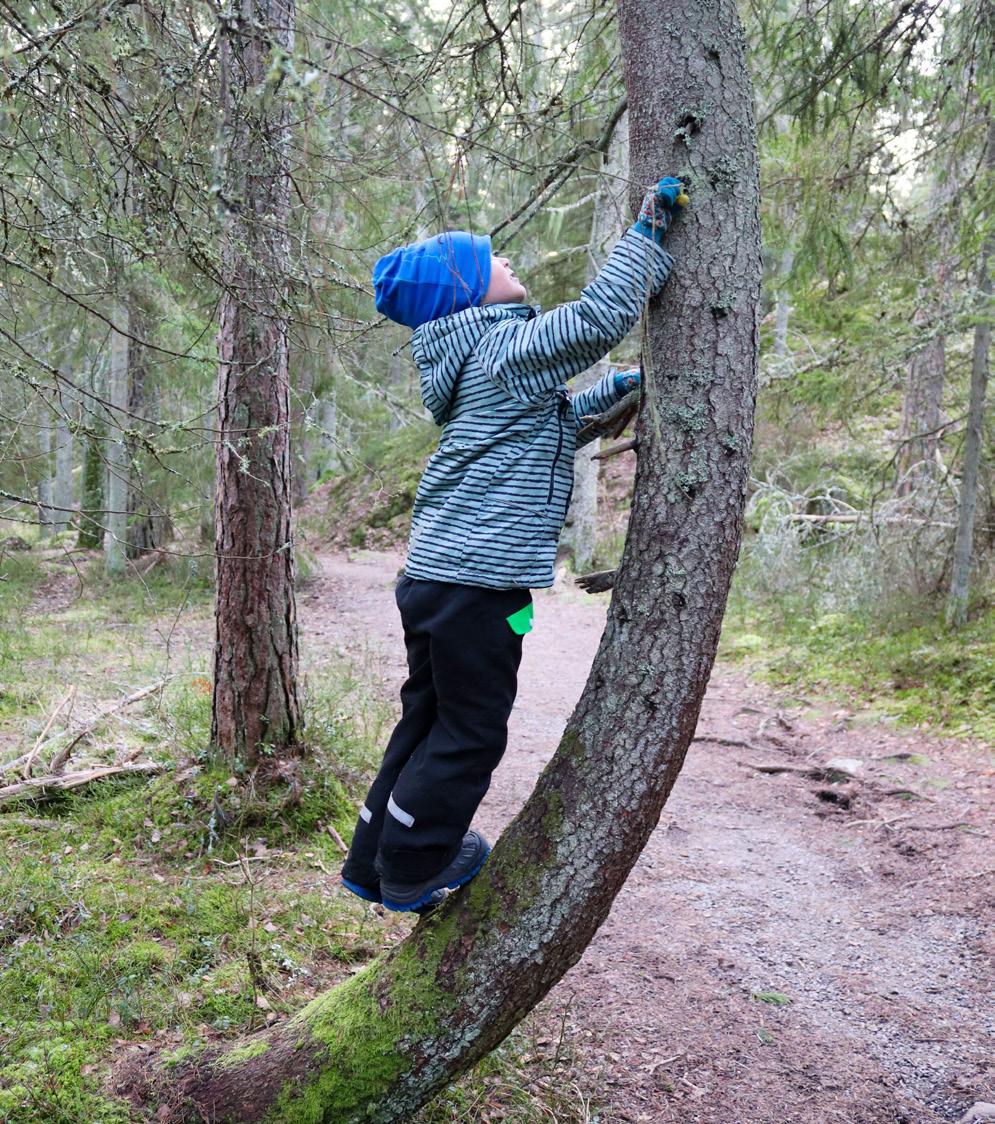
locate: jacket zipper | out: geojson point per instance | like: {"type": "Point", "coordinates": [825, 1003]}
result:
{"type": "Point", "coordinates": [559, 447]}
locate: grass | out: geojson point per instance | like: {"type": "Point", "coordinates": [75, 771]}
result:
{"type": "Point", "coordinates": [191, 908]}
{"type": "Point", "coordinates": [908, 667]}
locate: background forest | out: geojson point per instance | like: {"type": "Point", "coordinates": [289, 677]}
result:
{"type": "Point", "coordinates": [876, 210]}
{"type": "Point", "coordinates": [868, 563]}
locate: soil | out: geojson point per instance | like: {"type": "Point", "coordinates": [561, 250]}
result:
{"type": "Point", "coordinates": [791, 946]}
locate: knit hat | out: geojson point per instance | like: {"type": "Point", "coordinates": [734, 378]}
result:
{"type": "Point", "coordinates": [433, 278]}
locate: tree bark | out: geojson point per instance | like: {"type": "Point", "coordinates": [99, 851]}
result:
{"type": "Point", "coordinates": [919, 434]}
{"type": "Point", "coordinates": [91, 505]}
{"type": "Point", "coordinates": [149, 525]}
{"type": "Point", "coordinates": [960, 578]}
{"type": "Point", "coordinates": [63, 497]}
{"type": "Point", "coordinates": [46, 517]}
{"type": "Point", "coordinates": [379, 1046]}
{"type": "Point", "coordinates": [255, 704]}
{"type": "Point", "coordinates": [118, 470]}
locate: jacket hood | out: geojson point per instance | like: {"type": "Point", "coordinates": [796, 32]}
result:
{"type": "Point", "coordinates": [441, 347]}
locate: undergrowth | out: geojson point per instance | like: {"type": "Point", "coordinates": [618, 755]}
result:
{"type": "Point", "coordinates": [889, 654]}
{"type": "Point", "coordinates": [369, 502]}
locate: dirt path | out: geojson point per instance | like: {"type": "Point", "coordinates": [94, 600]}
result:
{"type": "Point", "coordinates": [863, 914]}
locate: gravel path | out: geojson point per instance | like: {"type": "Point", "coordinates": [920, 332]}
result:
{"type": "Point", "coordinates": [789, 947]}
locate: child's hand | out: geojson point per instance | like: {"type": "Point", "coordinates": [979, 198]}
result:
{"type": "Point", "coordinates": [626, 381]}
{"type": "Point", "coordinates": [659, 206]}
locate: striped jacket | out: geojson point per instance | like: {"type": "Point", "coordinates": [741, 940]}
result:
{"type": "Point", "coordinates": [494, 496]}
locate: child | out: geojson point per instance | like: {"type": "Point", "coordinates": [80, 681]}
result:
{"type": "Point", "coordinates": [487, 517]}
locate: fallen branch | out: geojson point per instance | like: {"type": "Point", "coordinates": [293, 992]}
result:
{"type": "Point", "coordinates": [599, 581]}
{"type": "Point", "coordinates": [32, 821]}
{"type": "Point", "coordinates": [815, 772]}
{"type": "Point", "coordinates": [614, 450]}
{"type": "Point", "coordinates": [735, 743]}
{"type": "Point", "coordinates": [40, 788]}
{"type": "Point", "coordinates": [63, 755]}
{"type": "Point", "coordinates": [339, 841]}
{"type": "Point", "coordinates": [949, 826]}
{"type": "Point", "coordinates": [33, 754]}
{"type": "Point", "coordinates": [830, 771]}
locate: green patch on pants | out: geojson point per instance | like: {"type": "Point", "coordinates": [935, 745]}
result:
{"type": "Point", "coordinates": [521, 622]}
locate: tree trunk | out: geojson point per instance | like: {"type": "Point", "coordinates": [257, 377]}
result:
{"type": "Point", "coordinates": [63, 499]}
{"type": "Point", "coordinates": [116, 518]}
{"type": "Point", "coordinates": [91, 505]}
{"type": "Point", "coordinates": [960, 578]}
{"type": "Point", "coordinates": [255, 703]}
{"type": "Point", "coordinates": [782, 305]}
{"type": "Point", "coordinates": [919, 434]}
{"type": "Point", "coordinates": [118, 472]}
{"type": "Point", "coordinates": [149, 525]}
{"type": "Point", "coordinates": [581, 535]}
{"type": "Point", "coordinates": [45, 514]}
{"type": "Point", "coordinates": [379, 1046]}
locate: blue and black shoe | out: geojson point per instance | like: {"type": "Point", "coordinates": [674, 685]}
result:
{"type": "Point", "coordinates": [372, 894]}
{"type": "Point", "coordinates": [405, 898]}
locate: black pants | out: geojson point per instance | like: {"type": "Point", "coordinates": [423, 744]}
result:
{"type": "Point", "coordinates": [463, 657]}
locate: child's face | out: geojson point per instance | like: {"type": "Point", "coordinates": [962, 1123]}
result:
{"type": "Point", "coordinates": [505, 288]}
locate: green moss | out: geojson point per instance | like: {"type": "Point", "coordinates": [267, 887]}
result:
{"type": "Point", "coordinates": [363, 1039]}
{"type": "Point", "coordinates": [239, 1054]}
{"type": "Point", "coordinates": [912, 669]}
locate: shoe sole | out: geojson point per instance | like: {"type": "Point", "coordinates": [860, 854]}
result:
{"type": "Point", "coordinates": [407, 907]}
{"type": "Point", "coordinates": [363, 892]}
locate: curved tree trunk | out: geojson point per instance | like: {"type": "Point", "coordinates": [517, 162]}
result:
{"type": "Point", "coordinates": [379, 1046]}
{"type": "Point", "coordinates": [255, 653]}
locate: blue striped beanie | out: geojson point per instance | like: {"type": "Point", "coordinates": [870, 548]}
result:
{"type": "Point", "coordinates": [433, 278]}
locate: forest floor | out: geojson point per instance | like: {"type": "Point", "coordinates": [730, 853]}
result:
{"type": "Point", "coordinates": [793, 945]}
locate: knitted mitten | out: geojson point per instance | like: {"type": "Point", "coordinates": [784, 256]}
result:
{"type": "Point", "coordinates": [657, 211]}
{"type": "Point", "coordinates": [626, 381]}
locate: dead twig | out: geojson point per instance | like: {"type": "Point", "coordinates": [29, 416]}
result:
{"type": "Point", "coordinates": [952, 825]}
{"type": "Point", "coordinates": [40, 788]}
{"type": "Point", "coordinates": [736, 743]}
{"type": "Point", "coordinates": [339, 841]}
{"type": "Point", "coordinates": [63, 755]}
{"type": "Point", "coordinates": [614, 450]}
{"type": "Point", "coordinates": [40, 741]}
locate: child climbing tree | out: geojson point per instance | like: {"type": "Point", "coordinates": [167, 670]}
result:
{"type": "Point", "coordinates": [379, 1046]}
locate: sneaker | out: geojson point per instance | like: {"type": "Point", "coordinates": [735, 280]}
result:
{"type": "Point", "coordinates": [372, 894]}
{"type": "Point", "coordinates": [402, 897]}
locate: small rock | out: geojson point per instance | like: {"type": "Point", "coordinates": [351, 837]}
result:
{"type": "Point", "coordinates": [850, 766]}
{"type": "Point", "coordinates": [978, 1112]}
